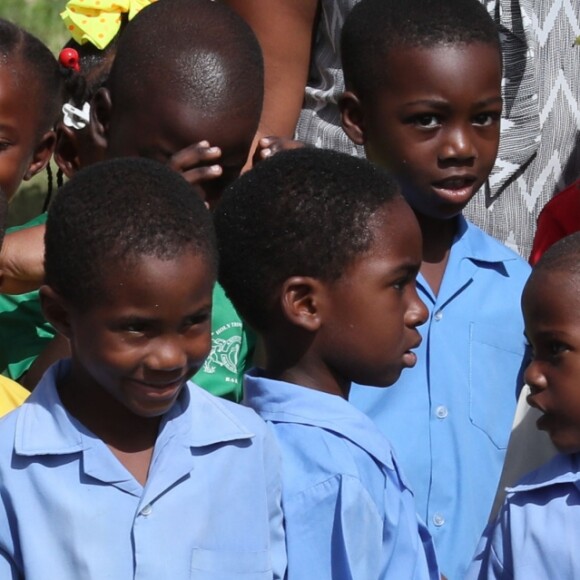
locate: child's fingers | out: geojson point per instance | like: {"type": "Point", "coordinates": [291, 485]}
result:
{"type": "Point", "coordinates": [269, 146]}
{"type": "Point", "coordinates": [193, 156]}
{"type": "Point", "coordinates": [196, 175]}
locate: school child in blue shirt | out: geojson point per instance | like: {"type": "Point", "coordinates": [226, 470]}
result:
{"type": "Point", "coordinates": [423, 96]}
{"type": "Point", "coordinates": [319, 253]}
{"type": "Point", "coordinates": [187, 92]}
{"type": "Point", "coordinates": [536, 533]}
{"type": "Point", "coordinates": [116, 466]}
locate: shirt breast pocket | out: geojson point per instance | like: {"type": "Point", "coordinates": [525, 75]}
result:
{"type": "Point", "coordinates": [228, 565]}
{"type": "Point", "coordinates": [496, 360]}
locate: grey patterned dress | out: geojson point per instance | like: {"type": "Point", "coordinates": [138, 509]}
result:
{"type": "Point", "coordinates": [539, 150]}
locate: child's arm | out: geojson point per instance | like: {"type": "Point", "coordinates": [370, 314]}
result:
{"type": "Point", "coordinates": [285, 30]}
{"type": "Point", "coordinates": [22, 261]}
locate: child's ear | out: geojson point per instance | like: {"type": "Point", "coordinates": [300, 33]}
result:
{"type": "Point", "coordinates": [55, 309]}
{"type": "Point", "coordinates": [351, 117]}
{"type": "Point", "coordinates": [66, 150]}
{"type": "Point", "coordinates": [101, 106]}
{"type": "Point", "coordinates": [301, 301]}
{"type": "Point", "coordinates": [41, 155]}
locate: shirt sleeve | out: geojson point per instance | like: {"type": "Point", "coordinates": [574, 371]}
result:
{"type": "Point", "coordinates": [7, 569]}
{"type": "Point", "coordinates": [272, 466]}
{"type": "Point", "coordinates": [492, 560]}
{"type": "Point", "coordinates": [334, 526]}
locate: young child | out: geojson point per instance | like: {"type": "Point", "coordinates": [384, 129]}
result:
{"type": "Point", "coordinates": [11, 393]}
{"type": "Point", "coordinates": [30, 100]}
{"type": "Point", "coordinates": [143, 473]}
{"type": "Point", "coordinates": [423, 96]}
{"type": "Point", "coordinates": [189, 94]}
{"type": "Point", "coordinates": [535, 535]}
{"type": "Point", "coordinates": [24, 333]}
{"type": "Point", "coordinates": [319, 253]}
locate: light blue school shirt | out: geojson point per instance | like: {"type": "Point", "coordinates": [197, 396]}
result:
{"type": "Point", "coordinates": [536, 533]}
{"type": "Point", "coordinates": [69, 510]}
{"type": "Point", "coordinates": [349, 514]}
{"type": "Point", "coordinates": [449, 418]}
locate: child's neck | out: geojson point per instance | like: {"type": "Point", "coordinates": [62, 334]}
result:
{"type": "Point", "coordinates": [130, 438]}
{"type": "Point", "coordinates": [306, 370]}
{"type": "Point", "coordinates": [438, 238]}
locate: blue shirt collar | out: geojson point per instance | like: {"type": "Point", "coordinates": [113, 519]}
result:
{"type": "Point", "coordinates": [44, 426]}
{"type": "Point", "coordinates": [282, 402]}
{"type": "Point", "coordinates": [474, 244]}
{"type": "Point", "coordinates": [564, 468]}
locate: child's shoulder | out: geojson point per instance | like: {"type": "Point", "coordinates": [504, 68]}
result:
{"type": "Point", "coordinates": [558, 471]}
{"type": "Point", "coordinates": [225, 414]}
{"type": "Point", "coordinates": [483, 248]}
{"type": "Point", "coordinates": [321, 436]}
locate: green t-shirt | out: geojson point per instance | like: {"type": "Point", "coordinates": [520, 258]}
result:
{"type": "Point", "coordinates": [24, 333]}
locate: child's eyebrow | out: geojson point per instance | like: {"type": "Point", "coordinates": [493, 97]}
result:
{"type": "Point", "coordinates": [443, 104]}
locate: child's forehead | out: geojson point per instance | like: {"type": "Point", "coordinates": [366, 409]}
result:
{"type": "Point", "coordinates": [464, 50]}
{"type": "Point", "coordinates": [553, 288]}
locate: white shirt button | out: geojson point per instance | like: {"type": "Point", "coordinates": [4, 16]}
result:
{"type": "Point", "coordinates": [438, 520]}
{"type": "Point", "coordinates": [438, 315]}
{"type": "Point", "coordinates": [146, 510]}
{"type": "Point", "coordinates": [441, 411]}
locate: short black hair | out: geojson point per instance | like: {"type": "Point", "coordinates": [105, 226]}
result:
{"type": "Point", "coordinates": [302, 212]}
{"type": "Point", "coordinates": [201, 52]}
{"type": "Point", "coordinates": [114, 212]}
{"type": "Point", "coordinates": [563, 256]}
{"type": "Point", "coordinates": [374, 27]}
{"type": "Point", "coordinates": [37, 68]}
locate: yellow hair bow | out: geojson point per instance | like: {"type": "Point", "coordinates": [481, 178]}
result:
{"type": "Point", "coordinates": [98, 21]}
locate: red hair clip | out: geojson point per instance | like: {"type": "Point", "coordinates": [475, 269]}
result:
{"type": "Point", "coordinates": [69, 58]}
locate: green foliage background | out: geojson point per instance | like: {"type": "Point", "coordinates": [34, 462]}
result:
{"type": "Point", "coordinates": [41, 17]}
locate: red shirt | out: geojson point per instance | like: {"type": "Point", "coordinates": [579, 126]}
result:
{"type": "Point", "coordinates": [559, 218]}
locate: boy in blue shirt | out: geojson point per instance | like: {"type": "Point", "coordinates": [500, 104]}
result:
{"type": "Point", "coordinates": [536, 533]}
{"type": "Point", "coordinates": [319, 253]}
{"type": "Point", "coordinates": [423, 82]}
{"type": "Point", "coordinates": [117, 467]}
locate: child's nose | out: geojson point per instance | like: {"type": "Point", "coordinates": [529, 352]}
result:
{"type": "Point", "coordinates": [167, 354]}
{"type": "Point", "coordinates": [534, 378]}
{"type": "Point", "coordinates": [417, 312]}
{"type": "Point", "coordinates": [457, 145]}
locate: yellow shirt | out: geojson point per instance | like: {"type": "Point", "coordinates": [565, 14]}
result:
{"type": "Point", "coordinates": [11, 395]}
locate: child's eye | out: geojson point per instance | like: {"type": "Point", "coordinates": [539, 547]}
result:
{"type": "Point", "coordinates": [135, 328]}
{"type": "Point", "coordinates": [555, 348]}
{"type": "Point", "coordinates": [197, 319]}
{"type": "Point", "coordinates": [5, 145]}
{"type": "Point", "coordinates": [427, 121]}
{"type": "Point", "coordinates": [402, 283]}
{"type": "Point", "coordinates": [486, 119]}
